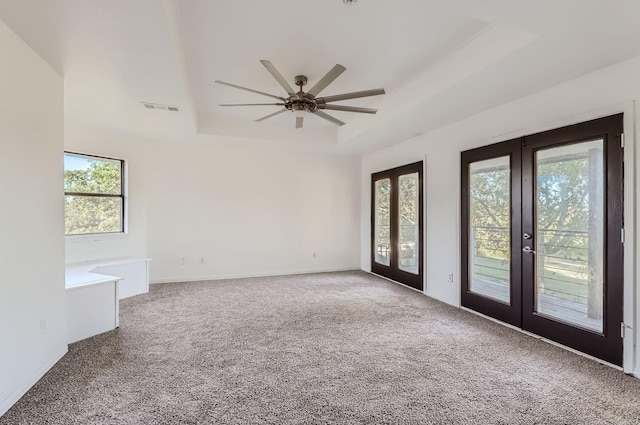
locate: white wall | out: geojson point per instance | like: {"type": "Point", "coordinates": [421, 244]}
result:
{"type": "Point", "coordinates": [229, 207]}
{"type": "Point", "coordinates": [604, 92]}
{"type": "Point", "coordinates": [248, 210]}
{"type": "Point", "coordinates": [32, 241]}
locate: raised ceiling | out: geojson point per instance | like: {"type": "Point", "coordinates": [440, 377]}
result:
{"type": "Point", "coordinates": [438, 61]}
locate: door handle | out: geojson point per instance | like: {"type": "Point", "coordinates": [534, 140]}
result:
{"type": "Point", "coordinates": [528, 250]}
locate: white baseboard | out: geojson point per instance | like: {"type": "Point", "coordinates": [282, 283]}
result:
{"type": "Point", "coordinates": [22, 389]}
{"type": "Point", "coordinates": [256, 274]}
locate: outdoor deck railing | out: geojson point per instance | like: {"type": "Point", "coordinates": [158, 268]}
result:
{"type": "Point", "coordinates": [407, 248]}
{"type": "Point", "coordinates": [563, 265]}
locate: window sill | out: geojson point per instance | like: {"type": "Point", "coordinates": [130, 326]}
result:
{"type": "Point", "coordinates": [94, 237]}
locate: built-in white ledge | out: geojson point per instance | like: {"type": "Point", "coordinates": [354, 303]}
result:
{"type": "Point", "coordinates": [94, 289]}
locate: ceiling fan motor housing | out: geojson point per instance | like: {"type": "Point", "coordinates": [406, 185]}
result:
{"type": "Point", "coordinates": [301, 104]}
{"type": "Point", "coordinates": [301, 101]}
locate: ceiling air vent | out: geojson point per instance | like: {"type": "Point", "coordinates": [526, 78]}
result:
{"type": "Point", "coordinates": [148, 105]}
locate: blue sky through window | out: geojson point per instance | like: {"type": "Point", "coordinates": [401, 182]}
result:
{"type": "Point", "coordinates": [75, 162]}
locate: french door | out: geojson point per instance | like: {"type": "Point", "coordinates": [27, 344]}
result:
{"type": "Point", "coordinates": [541, 234]}
{"type": "Point", "coordinates": [396, 224]}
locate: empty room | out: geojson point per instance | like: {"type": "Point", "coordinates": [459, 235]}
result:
{"type": "Point", "coordinates": [319, 212]}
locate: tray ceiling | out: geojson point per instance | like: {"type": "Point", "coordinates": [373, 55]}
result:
{"type": "Point", "coordinates": [438, 61]}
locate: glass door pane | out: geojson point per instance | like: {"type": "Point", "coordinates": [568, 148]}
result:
{"type": "Point", "coordinates": [408, 226]}
{"type": "Point", "coordinates": [382, 241]}
{"type": "Point", "coordinates": [489, 228]}
{"type": "Point", "coordinates": [569, 225]}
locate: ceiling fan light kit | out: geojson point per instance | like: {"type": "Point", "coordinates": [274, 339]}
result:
{"type": "Point", "coordinates": [301, 102]}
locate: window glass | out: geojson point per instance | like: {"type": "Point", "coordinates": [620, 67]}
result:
{"type": "Point", "coordinates": [94, 200]}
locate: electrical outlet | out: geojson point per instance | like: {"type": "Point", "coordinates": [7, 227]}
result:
{"type": "Point", "coordinates": [43, 326]}
{"type": "Point", "coordinates": [183, 261]}
{"type": "Point", "coordinates": [450, 277]}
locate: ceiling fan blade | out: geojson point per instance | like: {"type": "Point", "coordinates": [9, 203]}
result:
{"type": "Point", "coordinates": [251, 90]}
{"type": "Point", "coordinates": [354, 95]}
{"type": "Point", "coordinates": [327, 79]}
{"type": "Point", "coordinates": [272, 115]}
{"type": "Point", "coordinates": [273, 71]}
{"type": "Point", "coordinates": [252, 104]}
{"type": "Point", "coordinates": [328, 117]}
{"type": "Point", "coordinates": [348, 108]}
{"type": "Point", "coordinates": [299, 121]}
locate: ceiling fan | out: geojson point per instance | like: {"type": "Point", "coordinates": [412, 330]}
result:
{"type": "Point", "coordinates": [307, 101]}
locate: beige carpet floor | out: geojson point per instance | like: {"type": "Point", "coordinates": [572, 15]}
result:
{"type": "Point", "coordinates": [334, 348]}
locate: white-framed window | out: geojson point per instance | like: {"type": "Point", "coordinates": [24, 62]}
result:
{"type": "Point", "coordinates": [93, 194]}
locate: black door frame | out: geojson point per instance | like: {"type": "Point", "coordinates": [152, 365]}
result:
{"type": "Point", "coordinates": [392, 271]}
{"type": "Point", "coordinates": [607, 345]}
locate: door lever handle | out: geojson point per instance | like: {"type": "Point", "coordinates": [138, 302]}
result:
{"type": "Point", "coordinates": [528, 250]}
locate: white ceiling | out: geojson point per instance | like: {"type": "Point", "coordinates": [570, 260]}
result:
{"type": "Point", "coordinates": [438, 61]}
